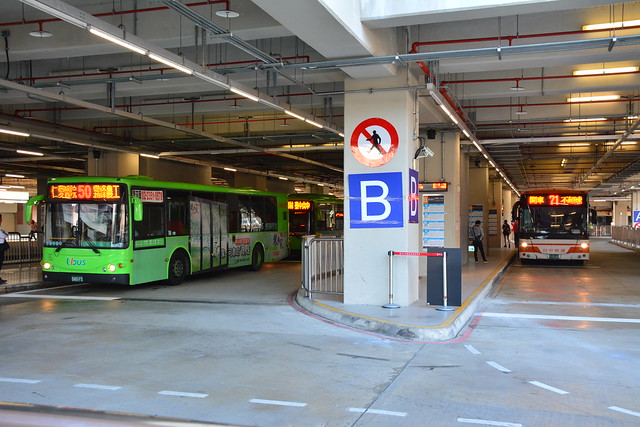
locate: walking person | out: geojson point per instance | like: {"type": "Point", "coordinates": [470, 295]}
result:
{"type": "Point", "coordinates": [477, 234]}
{"type": "Point", "coordinates": [506, 232]}
{"type": "Point", "coordinates": [4, 245]}
{"type": "Point", "coordinates": [375, 140]}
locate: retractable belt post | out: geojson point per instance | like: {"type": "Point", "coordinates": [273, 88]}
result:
{"type": "Point", "coordinates": [444, 276]}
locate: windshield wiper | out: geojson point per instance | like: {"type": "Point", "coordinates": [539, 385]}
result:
{"type": "Point", "coordinates": [91, 245]}
{"type": "Point", "coordinates": [74, 232]}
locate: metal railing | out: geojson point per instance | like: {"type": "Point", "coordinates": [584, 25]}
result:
{"type": "Point", "coordinates": [627, 236]}
{"type": "Point", "coordinates": [323, 265]}
{"type": "Point", "coordinates": [23, 249]}
{"type": "Point", "coordinates": [600, 231]}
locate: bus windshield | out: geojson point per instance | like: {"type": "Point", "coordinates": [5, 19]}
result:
{"type": "Point", "coordinates": [554, 220]}
{"type": "Point", "coordinates": [86, 225]}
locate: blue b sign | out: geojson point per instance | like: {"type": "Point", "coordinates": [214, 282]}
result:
{"type": "Point", "coordinates": [375, 200]}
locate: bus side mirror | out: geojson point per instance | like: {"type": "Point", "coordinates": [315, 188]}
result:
{"type": "Point", "coordinates": [36, 200]}
{"type": "Point", "coordinates": [137, 208]}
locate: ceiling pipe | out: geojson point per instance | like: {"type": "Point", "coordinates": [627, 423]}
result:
{"type": "Point", "coordinates": [522, 79]}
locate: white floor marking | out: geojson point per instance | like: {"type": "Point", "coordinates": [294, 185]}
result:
{"type": "Point", "coordinates": [472, 349]}
{"type": "Point", "coordinates": [548, 387]}
{"type": "Point", "coordinates": [552, 317]}
{"type": "Point", "coordinates": [49, 289]}
{"type": "Point", "coordinates": [624, 411]}
{"type": "Point", "coordinates": [378, 412]}
{"type": "Point", "coordinates": [98, 386]}
{"type": "Point", "coordinates": [19, 380]}
{"type": "Point", "coordinates": [60, 297]}
{"type": "Point", "coordinates": [182, 394]}
{"type": "Point", "coordinates": [277, 402]}
{"type": "Point", "coordinates": [488, 422]}
{"type": "Point", "coordinates": [498, 366]}
{"type": "Point", "coordinates": [579, 304]}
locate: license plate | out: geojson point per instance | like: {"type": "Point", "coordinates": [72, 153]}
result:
{"type": "Point", "coordinates": [554, 256]}
{"type": "Point", "coordinates": [77, 279]}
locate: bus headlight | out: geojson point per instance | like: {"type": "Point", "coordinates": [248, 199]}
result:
{"type": "Point", "coordinates": [112, 268]}
{"type": "Point", "coordinates": [524, 244]}
{"type": "Point", "coordinates": [584, 245]}
{"type": "Point", "coordinates": [46, 265]}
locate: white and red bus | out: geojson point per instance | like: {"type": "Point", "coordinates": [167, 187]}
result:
{"type": "Point", "coordinates": [552, 225]}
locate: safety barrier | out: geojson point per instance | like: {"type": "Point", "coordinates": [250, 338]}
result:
{"type": "Point", "coordinates": [444, 307]}
{"type": "Point", "coordinates": [23, 249]}
{"type": "Point", "coordinates": [323, 265]}
{"type": "Point", "coordinates": [600, 231]}
{"type": "Point", "coordinates": [626, 236]}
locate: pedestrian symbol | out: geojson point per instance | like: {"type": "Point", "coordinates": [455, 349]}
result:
{"type": "Point", "coordinates": [374, 142]}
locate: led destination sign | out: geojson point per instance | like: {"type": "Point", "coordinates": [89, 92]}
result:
{"type": "Point", "coordinates": [85, 192]}
{"type": "Point", "coordinates": [439, 186]}
{"type": "Point", "coordinates": [556, 200]}
{"type": "Point", "coordinates": [299, 205]}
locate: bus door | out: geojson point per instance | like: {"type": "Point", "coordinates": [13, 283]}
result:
{"type": "Point", "coordinates": [208, 234]}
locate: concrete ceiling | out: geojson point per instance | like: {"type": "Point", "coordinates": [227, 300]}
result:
{"type": "Point", "coordinates": [75, 92]}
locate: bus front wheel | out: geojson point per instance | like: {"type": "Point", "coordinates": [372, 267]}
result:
{"type": "Point", "coordinates": [257, 258]}
{"type": "Point", "coordinates": [178, 268]}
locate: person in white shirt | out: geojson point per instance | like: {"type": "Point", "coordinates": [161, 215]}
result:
{"type": "Point", "coordinates": [3, 239]}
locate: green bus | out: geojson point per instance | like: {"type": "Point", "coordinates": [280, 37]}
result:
{"type": "Point", "coordinates": [313, 214]}
{"type": "Point", "coordinates": [134, 229]}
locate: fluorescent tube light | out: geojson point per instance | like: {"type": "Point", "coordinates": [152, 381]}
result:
{"type": "Point", "coordinates": [170, 63]}
{"type": "Point", "coordinates": [243, 93]}
{"type": "Point", "coordinates": [611, 25]}
{"type": "Point", "coordinates": [311, 122]}
{"type": "Point", "coordinates": [229, 169]}
{"type": "Point", "coordinates": [601, 71]}
{"type": "Point", "coordinates": [594, 98]}
{"type": "Point", "coordinates": [14, 196]}
{"type": "Point", "coordinates": [594, 119]}
{"type": "Point", "coordinates": [31, 153]}
{"type": "Point", "coordinates": [292, 114]}
{"type": "Point", "coordinates": [13, 175]}
{"type": "Point", "coordinates": [210, 79]}
{"type": "Point", "coordinates": [117, 40]}
{"type": "Point", "coordinates": [283, 178]}
{"type": "Point", "coordinates": [14, 132]}
{"type": "Point", "coordinates": [151, 156]}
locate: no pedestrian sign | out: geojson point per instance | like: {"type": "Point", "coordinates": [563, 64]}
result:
{"type": "Point", "coordinates": [374, 142]}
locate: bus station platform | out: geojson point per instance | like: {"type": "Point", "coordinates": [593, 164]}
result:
{"type": "Point", "coordinates": [419, 321]}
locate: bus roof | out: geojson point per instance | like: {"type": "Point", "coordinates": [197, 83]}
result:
{"type": "Point", "coordinates": [313, 197]}
{"type": "Point", "coordinates": [145, 181]}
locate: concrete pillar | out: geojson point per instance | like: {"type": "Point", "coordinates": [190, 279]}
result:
{"type": "Point", "coordinates": [620, 213]}
{"type": "Point", "coordinates": [479, 195]}
{"type": "Point", "coordinates": [166, 170]}
{"type": "Point", "coordinates": [370, 234]}
{"type": "Point", "coordinates": [112, 163]}
{"type": "Point", "coordinates": [445, 165]}
{"type": "Point", "coordinates": [507, 203]}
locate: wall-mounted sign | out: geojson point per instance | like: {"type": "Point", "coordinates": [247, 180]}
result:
{"type": "Point", "coordinates": [375, 200]}
{"type": "Point", "coordinates": [374, 142]}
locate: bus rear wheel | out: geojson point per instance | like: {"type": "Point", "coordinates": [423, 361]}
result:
{"type": "Point", "coordinates": [257, 258]}
{"type": "Point", "coordinates": [178, 268]}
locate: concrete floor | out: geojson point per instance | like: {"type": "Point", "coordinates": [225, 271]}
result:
{"type": "Point", "coordinates": [550, 345]}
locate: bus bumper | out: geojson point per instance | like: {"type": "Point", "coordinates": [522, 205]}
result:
{"type": "Point", "coordinates": [116, 279]}
{"type": "Point", "coordinates": [555, 257]}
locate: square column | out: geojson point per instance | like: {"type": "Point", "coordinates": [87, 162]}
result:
{"type": "Point", "coordinates": [376, 181]}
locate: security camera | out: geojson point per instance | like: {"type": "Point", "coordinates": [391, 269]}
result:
{"type": "Point", "coordinates": [423, 152]}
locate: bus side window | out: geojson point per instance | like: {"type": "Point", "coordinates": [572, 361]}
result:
{"type": "Point", "coordinates": [151, 224]}
{"type": "Point", "coordinates": [233, 213]}
{"type": "Point", "coordinates": [177, 215]}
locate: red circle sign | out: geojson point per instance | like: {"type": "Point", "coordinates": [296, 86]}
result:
{"type": "Point", "coordinates": [374, 142]}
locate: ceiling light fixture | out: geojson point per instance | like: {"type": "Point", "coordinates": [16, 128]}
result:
{"type": "Point", "coordinates": [594, 98]}
{"type": "Point", "coordinates": [230, 169]}
{"type": "Point", "coordinates": [42, 34]}
{"type": "Point", "coordinates": [316, 124]}
{"type": "Point", "coordinates": [593, 119]}
{"type": "Point", "coordinates": [171, 63]}
{"type": "Point", "coordinates": [13, 175]}
{"type": "Point", "coordinates": [116, 40]}
{"type": "Point", "coordinates": [611, 25]}
{"type": "Point", "coordinates": [517, 87]}
{"type": "Point", "coordinates": [243, 93]}
{"type": "Point", "coordinates": [601, 71]}
{"type": "Point", "coordinates": [31, 153]}
{"type": "Point", "coordinates": [151, 156]}
{"type": "Point", "coordinates": [292, 114]}
{"type": "Point", "coordinates": [14, 132]}
{"type": "Point", "coordinates": [55, 12]}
